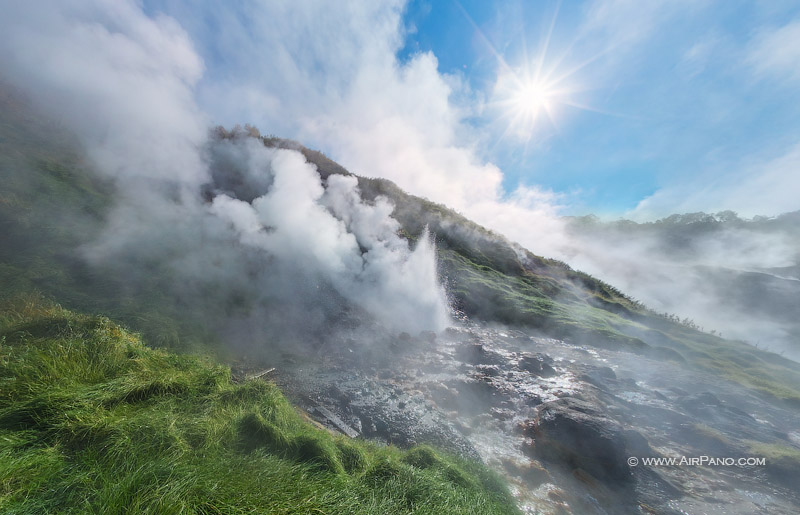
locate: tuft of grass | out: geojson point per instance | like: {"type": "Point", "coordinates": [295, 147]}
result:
{"type": "Point", "coordinates": [782, 461]}
{"type": "Point", "coordinates": [257, 432]}
{"type": "Point", "coordinates": [352, 457]}
{"type": "Point", "coordinates": [422, 457]}
{"type": "Point", "coordinates": [93, 420]}
{"type": "Point", "coordinates": [318, 450]}
{"type": "Point", "coordinates": [775, 453]}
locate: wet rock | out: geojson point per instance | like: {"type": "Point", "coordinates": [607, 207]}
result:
{"type": "Point", "coordinates": [477, 354]}
{"type": "Point", "coordinates": [678, 391]}
{"type": "Point", "coordinates": [454, 332]}
{"type": "Point", "coordinates": [531, 399]}
{"type": "Point", "coordinates": [784, 468]}
{"type": "Point", "coordinates": [537, 365]}
{"type": "Point", "coordinates": [488, 370]}
{"type": "Point", "coordinates": [427, 336]}
{"type": "Point", "coordinates": [333, 420]}
{"type": "Point", "coordinates": [605, 373]}
{"type": "Point", "coordinates": [575, 433]}
{"type": "Point", "coordinates": [442, 395]}
{"type": "Point", "coordinates": [698, 400]}
{"type": "Point", "coordinates": [701, 436]}
{"type": "Point", "coordinates": [381, 427]}
{"type": "Point", "coordinates": [473, 396]}
{"type": "Point", "coordinates": [368, 426]}
{"type": "Point", "coordinates": [502, 413]}
{"type": "Point", "coordinates": [727, 419]}
{"type": "Point", "coordinates": [660, 396]}
{"type": "Point", "coordinates": [602, 377]}
{"type": "Point", "coordinates": [628, 382]}
{"type": "Point", "coordinates": [532, 473]}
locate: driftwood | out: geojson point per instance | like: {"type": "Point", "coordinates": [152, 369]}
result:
{"type": "Point", "coordinates": [336, 421]}
{"type": "Point", "coordinates": [258, 375]}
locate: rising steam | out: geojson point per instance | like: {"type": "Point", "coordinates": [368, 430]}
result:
{"type": "Point", "coordinates": [331, 233]}
{"type": "Point", "coordinates": [240, 229]}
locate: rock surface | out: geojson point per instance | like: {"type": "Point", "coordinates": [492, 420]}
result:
{"type": "Point", "coordinates": [559, 421]}
{"type": "Point", "coordinates": [575, 433]}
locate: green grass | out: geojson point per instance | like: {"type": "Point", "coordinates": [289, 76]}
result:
{"type": "Point", "coordinates": [92, 420]}
{"type": "Point", "coordinates": [775, 453]}
{"type": "Point", "coordinates": [782, 461]}
{"type": "Point", "coordinates": [52, 204]}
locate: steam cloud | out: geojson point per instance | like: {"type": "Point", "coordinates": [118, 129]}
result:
{"type": "Point", "coordinates": [126, 83]}
{"type": "Point", "coordinates": [332, 233]}
{"type": "Point", "coordinates": [736, 278]}
{"type": "Point", "coordinates": [291, 251]}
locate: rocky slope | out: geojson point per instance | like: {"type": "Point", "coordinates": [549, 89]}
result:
{"type": "Point", "coordinates": [730, 275]}
{"type": "Point", "coordinates": [549, 375]}
{"type": "Point", "coordinates": [560, 421]}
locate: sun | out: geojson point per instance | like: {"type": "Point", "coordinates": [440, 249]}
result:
{"type": "Point", "coordinates": [529, 101]}
{"type": "Point", "coordinates": [530, 104]}
{"type": "Point", "coordinates": [533, 97]}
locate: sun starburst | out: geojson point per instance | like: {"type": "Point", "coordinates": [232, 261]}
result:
{"type": "Point", "coordinates": [529, 102]}
{"type": "Point", "coordinates": [532, 97]}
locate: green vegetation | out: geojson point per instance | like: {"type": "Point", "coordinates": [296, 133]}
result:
{"type": "Point", "coordinates": [775, 452]}
{"type": "Point", "coordinates": [93, 420]}
{"type": "Point", "coordinates": [490, 278]}
{"type": "Point", "coordinates": [782, 461]}
{"type": "Point", "coordinates": [52, 205]}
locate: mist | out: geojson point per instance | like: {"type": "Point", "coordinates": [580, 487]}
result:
{"type": "Point", "coordinates": [735, 277]}
{"type": "Point", "coordinates": [250, 234]}
{"type": "Point", "coordinates": [331, 233]}
{"type": "Point", "coordinates": [127, 84]}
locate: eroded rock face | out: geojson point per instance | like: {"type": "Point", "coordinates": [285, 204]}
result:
{"type": "Point", "coordinates": [558, 421]}
{"type": "Point", "coordinates": [576, 434]}
{"type": "Point", "coordinates": [538, 365]}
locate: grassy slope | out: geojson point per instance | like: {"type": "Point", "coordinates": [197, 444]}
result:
{"type": "Point", "coordinates": [487, 276]}
{"type": "Point", "coordinates": [91, 417]}
{"type": "Point", "coordinates": [493, 279]}
{"type": "Point", "coordinates": [92, 420]}
{"type": "Point", "coordinates": [51, 203]}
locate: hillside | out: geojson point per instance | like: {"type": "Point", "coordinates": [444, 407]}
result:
{"type": "Point", "coordinates": [493, 279]}
{"type": "Point", "coordinates": [487, 277]}
{"type": "Point", "coordinates": [731, 275]}
{"type": "Point", "coordinates": [92, 419]}
{"type": "Point", "coordinates": [281, 260]}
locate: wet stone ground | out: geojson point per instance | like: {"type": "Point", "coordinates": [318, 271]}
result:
{"type": "Point", "coordinates": [557, 420]}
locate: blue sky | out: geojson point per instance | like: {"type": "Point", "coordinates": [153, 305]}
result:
{"type": "Point", "coordinates": [662, 106]}
{"type": "Point", "coordinates": [680, 102]}
{"type": "Point", "coordinates": [654, 107]}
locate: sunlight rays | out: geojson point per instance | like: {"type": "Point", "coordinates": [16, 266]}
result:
{"type": "Point", "coordinates": [529, 98]}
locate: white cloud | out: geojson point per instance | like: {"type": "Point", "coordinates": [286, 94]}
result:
{"type": "Point", "coordinates": [775, 53]}
{"type": "Point", "coordinates": [328, 75]}
{"type": "Point", "coordinates": [115, 76]}
{"type": "Point", "coordinates": [696, 59]}
{"type": "Point", "coordinates": [765, 186]}
{"type": "Point", "coordinates": [619, 29]}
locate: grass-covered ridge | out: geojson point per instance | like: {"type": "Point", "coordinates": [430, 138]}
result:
{"type": "Point", "coordinates": [53, 203]}
{"type": "Point", "coordinates": [93, 420]}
